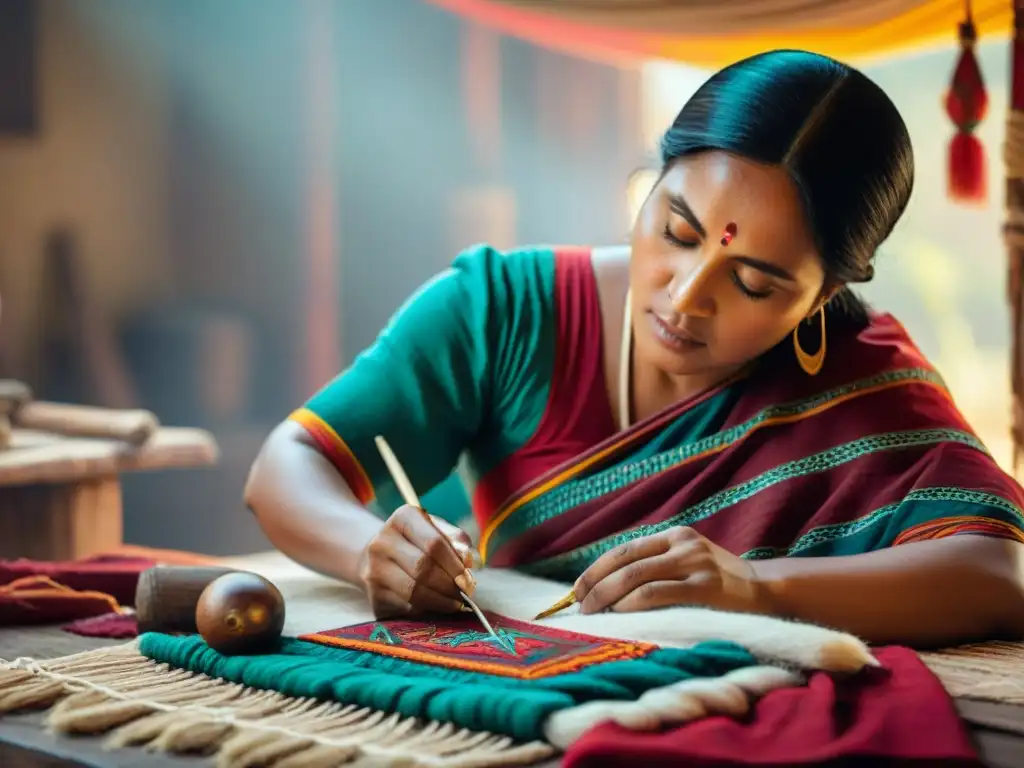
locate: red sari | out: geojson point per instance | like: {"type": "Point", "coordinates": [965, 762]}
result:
{"type": "Point", "coordinates": [870, 453]}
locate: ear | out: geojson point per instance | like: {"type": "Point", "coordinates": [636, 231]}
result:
{"type": "Point", "coordinates": [828, 292]}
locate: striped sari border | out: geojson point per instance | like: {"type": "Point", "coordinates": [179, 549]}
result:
{"type": "Point", "coordinates": [949, 526]}
{"type": "Point", "coordinates": [566, 472]}
{"type": "Point", "coordinates": [337, 452]}
{"type": "Point", "coordinates": [582, 557]}
{"type": "Point", "coordinates": [952, 526]}
{"type": "Point", "coordinates": [578, 492]}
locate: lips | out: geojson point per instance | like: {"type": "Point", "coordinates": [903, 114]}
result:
{"type": "Point", "coordinates": [676, 334]}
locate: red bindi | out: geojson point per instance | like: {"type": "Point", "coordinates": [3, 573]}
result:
{"type": "Point", "coordinates": [729, 233]}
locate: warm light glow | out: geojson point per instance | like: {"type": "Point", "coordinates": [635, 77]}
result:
{"type": "Point", "coordinates": [911, 26]}
{"type": "Point", "coordinates": [665, 86]}
{"type": "Point", "coordinates": [639, 187]}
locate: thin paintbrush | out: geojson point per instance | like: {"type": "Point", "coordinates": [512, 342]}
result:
{"type": "Point", "coordinates": [561, 605]}
{"type": "Point", "coordinates": [405, 488]}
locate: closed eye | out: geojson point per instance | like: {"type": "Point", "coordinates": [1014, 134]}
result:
{"type": "Point", "coordinates": [678, 242]}
{"type": "Point", "coordinates": [746, 290]}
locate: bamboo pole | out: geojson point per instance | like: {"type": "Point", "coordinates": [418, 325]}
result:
{"type": "Point", "coordinates": [1013, 229]}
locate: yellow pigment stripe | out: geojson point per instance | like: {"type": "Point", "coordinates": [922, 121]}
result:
{"type": "Point", "coordinates": [571, 472]}
{"type": "Point", "coordinates": [338, 452]}
{"type": "Point", "coordinates": [945, 527]}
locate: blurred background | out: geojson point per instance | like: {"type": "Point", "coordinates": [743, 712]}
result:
{"type": "Point", "coordinates": [238, 194]}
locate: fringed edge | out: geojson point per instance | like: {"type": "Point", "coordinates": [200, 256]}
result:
{"type": "Point", "coordinates": [144, 703]}
{"type": "Point", "coordinates": [139, 702]}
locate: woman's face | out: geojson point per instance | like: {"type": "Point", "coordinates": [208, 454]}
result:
{"type": "Point", "coordinates": [723, 266]}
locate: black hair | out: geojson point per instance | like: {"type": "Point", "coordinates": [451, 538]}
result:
{"type": "Point", "coordinates": [836, 132]}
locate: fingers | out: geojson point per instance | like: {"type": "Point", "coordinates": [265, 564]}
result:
{"type": "Point", "coordinates": [421, 568]}
{"type": "Point", "coordinates": [652, 595]}
{"type": "Point", "coordinates": [461, 541]}
{"type": "Point", "coordinates": [413, 524]}
{"type": "Point", "coordinates": [411, 567]}
{"type": "Point", "coordinates": [390, 578]}
{"type": "Point", "coordinates": [617, 559]}
{"type": "Point", "coordinates": [386, 604]}
{"type": "Point", "coordinates": [455, 535]}
{"type": "Point", "coordinates": [631, 576]}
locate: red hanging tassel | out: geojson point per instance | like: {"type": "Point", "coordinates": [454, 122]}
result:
{"type": "Point", "coordinates": [968, 174]}
{"type": "Point", "coordinates": [967, 105]}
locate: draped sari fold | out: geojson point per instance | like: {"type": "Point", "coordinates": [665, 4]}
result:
{"type": "Point", "coordinates": [870, 453]}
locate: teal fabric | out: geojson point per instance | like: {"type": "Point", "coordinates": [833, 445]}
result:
{"type": "Point", "coordinates": [463, 367]}
{"type": "Point", "coordinates": [447, 500]}
{"type": "Point", "coordinates": [482, 702]}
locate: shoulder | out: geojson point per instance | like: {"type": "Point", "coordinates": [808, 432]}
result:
{"type": "Point", "coordinates": [511, 268]}
{"type": "Point", "coordinates": [548, 274]}
{"type": "Point", "coordinates": [878, 355]}
{"type": "Point", "coordinates": [611, 271]}
{"type": "Point", "coordinates": [479, 288]}
{"type": "Point", "coordinates": [884, 344]}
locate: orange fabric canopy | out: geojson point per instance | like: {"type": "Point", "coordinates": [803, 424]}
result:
{"type": "Point", "coordinates": [713, 33]}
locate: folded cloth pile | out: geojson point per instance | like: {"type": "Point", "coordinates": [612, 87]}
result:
{"type": "Point", "coordinates": [90, 593]}
{"type": "Point", "coordinates": [895, 716]}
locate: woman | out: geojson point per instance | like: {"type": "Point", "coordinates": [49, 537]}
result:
{"type": "Point", "coordinates": [710, 417]}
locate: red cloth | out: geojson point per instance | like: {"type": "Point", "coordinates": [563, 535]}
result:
{"type": "Point", "coordinates": [39, 600]}
{"type": "Point", "coordinates": [895, 717]}
{"type": "Point", "coordinates": [113, 575]}
{"type": "Point", "coordinates": [44, 592]}
{"type": "Point", "coordinates": [116, 625]}
{"type": "Point", "coordinates": [38, 592]}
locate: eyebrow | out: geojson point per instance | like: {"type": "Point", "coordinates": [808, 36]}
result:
{"type": "Point", "coordinates": [678, 204]}
{"type": "Point", "coordinates": [766, 267]}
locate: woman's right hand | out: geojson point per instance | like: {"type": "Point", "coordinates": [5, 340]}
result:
{"type": "Point", "coordinates": [410, 567]}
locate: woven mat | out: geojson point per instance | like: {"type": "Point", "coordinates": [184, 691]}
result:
{"type": "Point", "coordinates": [986, 671]}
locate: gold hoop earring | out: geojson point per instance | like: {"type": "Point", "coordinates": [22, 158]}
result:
{"type": "Point", "coordinates": [812, 364]}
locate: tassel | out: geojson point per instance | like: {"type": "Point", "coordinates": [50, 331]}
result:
{"type": "Point", "coordinates": [968, 172]}
{"type": "Point", "coordinates": [967, 105]}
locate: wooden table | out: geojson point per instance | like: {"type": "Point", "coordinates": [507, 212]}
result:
{"type": "Point", "coordinates": [60, 495]}
{"type": "Point", "coordinates": [25, 743]}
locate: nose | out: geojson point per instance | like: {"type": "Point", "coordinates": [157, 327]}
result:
{"type": "Point", "coordinates": [690, 291]}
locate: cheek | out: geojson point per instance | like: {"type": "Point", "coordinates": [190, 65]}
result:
{"type": "Point", "coordinates": [649, 270]}
{"type": "Point", "coordinates": [747, 329]}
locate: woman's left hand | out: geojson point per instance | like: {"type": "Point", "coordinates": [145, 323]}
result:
{"type": "Point", "coordinates": [674, 567]}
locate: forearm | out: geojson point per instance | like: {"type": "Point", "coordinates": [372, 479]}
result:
{"type": "Point", "coordinates": [306, 508]}
{"type": "Point", "coordinates": [926, 594]}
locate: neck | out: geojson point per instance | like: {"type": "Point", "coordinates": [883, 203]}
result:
{"type": "Point", "coordinates": [654, 390]}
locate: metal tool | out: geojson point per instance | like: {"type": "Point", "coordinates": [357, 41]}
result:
{"type": "Point", "coordinates": [409, 495]}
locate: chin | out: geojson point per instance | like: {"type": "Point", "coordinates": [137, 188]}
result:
{"type": "Point", "coordinates": [673, 363]}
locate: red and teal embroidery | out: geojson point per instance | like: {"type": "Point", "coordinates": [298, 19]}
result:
{"type": "Point", "coordinates": [521, 650]}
